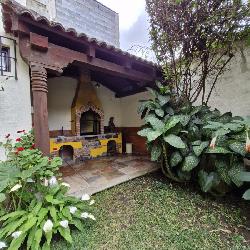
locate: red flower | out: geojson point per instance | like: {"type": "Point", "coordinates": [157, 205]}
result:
{"type": "Point", "coordinates": [18, 139]}
{"type": "Point", "coordinates": [33, 146]}
{"type": "Point", "coordinates": [20, 149]}
{"type": "Point", "coordinates": [7, 136]}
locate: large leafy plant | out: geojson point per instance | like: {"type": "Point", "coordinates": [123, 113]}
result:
{"type": "Point", "coordinates": [178, 136]}
{"type": "Point", "coordinates": [226, 154]}
{"type": "Point", "coordinates": [173, 134]}
{"type": "Point", "coordinates": [34, 204]}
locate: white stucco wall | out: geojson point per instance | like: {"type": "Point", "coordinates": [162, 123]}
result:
{"type": "Point", "coordinates": [15, 105]}
{"type": "Point", "coordinates": [61, 91]}
{"type": "Point", "coordinates": [129, 107]}
{"type": "Point", "coordinates": [232, 93]}
{"type": "Point", "coordinates": [111, 106]}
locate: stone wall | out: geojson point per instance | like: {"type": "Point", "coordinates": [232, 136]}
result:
{"type": "Point", "coordinates": [86, 147]}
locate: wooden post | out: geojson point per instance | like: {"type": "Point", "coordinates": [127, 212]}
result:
{"type": "Point", "coordinates": [39, 91]}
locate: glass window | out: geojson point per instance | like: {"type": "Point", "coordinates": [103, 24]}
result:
{"type": "Point", "coordinates": [5, 60]}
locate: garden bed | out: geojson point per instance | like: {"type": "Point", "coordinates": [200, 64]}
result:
{"type": "Point", "coordinates": [151, 213]}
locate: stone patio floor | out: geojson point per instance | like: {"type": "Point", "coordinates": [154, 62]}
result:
{"type": "Point", "coordinates": [93, 176]}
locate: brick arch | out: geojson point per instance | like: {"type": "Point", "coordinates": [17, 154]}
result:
{"type": "Point", "coordinates": [84, 109]}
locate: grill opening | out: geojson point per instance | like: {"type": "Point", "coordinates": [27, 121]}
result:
{"type": "Point", "coordinates": [90, 123]}
{"type": "Point", "coordinates": [66, 153]}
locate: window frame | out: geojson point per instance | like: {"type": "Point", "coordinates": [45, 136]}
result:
{"type": "Point", "coordinates": [5, 60]}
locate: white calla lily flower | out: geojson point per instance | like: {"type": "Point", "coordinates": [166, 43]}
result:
{"type": "Point", "coordinates": [91, 202]}
{"type": "Point", "coordinates": [46, 183]}
{"type": "Point", "coordinates": [16, 187]}
{"type": "Point", "coordinates": [53, 181]}
{"type": "Point", "coordinates": [65, 184]}
{"type": "Point", "coordinates": [72, 210]}
{"type": "Point", "coordinates": [48, 226]}
{"type": "Point", "coordinates": [84, 215]}
{"type": "Point", "coordinates": [16, 234]}
{"type": "Point", "coordinates": [85, 197]}
{"type": "Point", "coordinates": [92, 217]}
{"type": "Point", "coordinates": [64, 223]}
{"type": "Point", "coordinates": [2, 245]}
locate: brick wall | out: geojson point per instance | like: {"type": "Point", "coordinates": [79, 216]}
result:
{"type": "Point", "coordinates": [129, 135]}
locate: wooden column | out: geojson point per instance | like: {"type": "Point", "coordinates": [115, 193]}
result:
{"type": "Point", "coordinates": [40, 107]}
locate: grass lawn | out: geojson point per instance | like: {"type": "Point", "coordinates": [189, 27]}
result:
{"type": "Point", "coordinates": [150, 213]}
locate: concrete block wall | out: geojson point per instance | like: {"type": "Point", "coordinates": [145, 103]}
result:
{"type": "Point", "coordinates": [90, 17]}
{"type": "Point", "coordinates": [85, 16]}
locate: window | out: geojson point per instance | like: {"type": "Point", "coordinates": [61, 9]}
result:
{"type": "Point", "coordinates": [90, 123]}
{"type": "Point", "coordinates": [5, 64]}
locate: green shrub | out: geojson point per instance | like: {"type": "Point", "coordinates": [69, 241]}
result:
{"type": "Point", "coordinates": [245, 176]}
{"type": "Point", "coordinates": [194, 142]}
{"type": "Point", "coordinates": [34, 203]}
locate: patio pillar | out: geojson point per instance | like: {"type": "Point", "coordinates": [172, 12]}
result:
{"type": "Point", "coordinates": [39, 91]}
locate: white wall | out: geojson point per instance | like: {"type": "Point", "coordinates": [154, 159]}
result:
{"type": "Point", "coordinates": [15, 106]}
{"type": "Point", "coordinates": [232, 93]}
{"type": "Point", "coordinates": [129, 107]}
{"type": "Point", "coordinates": [61, 91]}
{"type": "Point", "coordinates": [111, 106]}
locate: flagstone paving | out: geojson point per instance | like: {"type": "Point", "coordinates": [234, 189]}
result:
{"type": "Point", "coordinates": [93, 176]}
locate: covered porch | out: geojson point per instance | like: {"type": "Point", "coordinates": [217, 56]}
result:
{"type": "Point", "coordinates": [79, 84]}
{"type": "Point", "coordinates": [55, 54]}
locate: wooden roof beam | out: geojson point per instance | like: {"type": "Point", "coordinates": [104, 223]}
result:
{"type": "Point", "coordinates": [57, 57]}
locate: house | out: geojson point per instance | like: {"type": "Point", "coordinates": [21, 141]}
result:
{"type": "Point", "coordinates": [68, 84]}
{"type": "Point", "coordinates": [63, 72]}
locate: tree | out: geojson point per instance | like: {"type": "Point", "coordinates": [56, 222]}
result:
{"type": "Point", "coordinates": [194, 41]}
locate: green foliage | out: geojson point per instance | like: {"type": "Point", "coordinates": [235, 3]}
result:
{"type": "Point", "coordinates": [245, 176]}
{"type": "Point", "coordinates": [174, 141]}
{"type": "Point", "coordinates": [175, 159]}
{"type": "Point", "coordinates": [34, 204]}
{"type": "Point", "coordinates": [190, 163]}
{"type": "Point", "coordinates": [208, 181]}
{"type": "Point", "coordinates": [192, 52]}
{"type": "Point", "coordinates": [156, 152]}
{"type": "Point", "coordinates": [9, 174]}
{"type": "Point", "coordinates": [180, 142]}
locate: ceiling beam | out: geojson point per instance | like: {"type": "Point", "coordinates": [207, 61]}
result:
{"type": "Point", "coordinates": [60, 57]}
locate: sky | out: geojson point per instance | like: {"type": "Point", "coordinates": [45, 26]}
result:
{"type": "Point", "coordinates": [134, 26]}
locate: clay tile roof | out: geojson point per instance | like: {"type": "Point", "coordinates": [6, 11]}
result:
{"type": "Point", "coordinates": [20, 10]}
